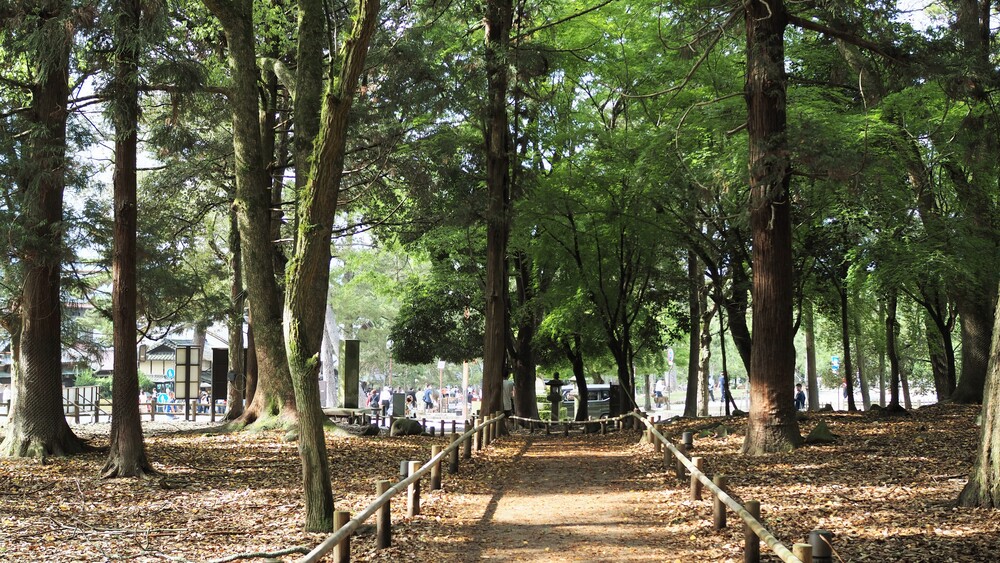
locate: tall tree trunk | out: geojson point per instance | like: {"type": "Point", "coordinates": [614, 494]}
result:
{"type": "Point", "coordinates": [809, 324]}
{"type": "Point", "coordinates": [251, 389]}
{"type": "Point", "coordinates": [574, 353]}
{"type": "Point", "coordinates": [736, 306]}
{"type": "Point", "coordinates": [309, 269]}
{"type": "Point", "coordinates": [498, 21]}
{"type": "Point", "coordinates": [36, 425]}
{"type": "Point", "coordinates": [695, 281]}
{"type": "Point", "coordinates": [525, 401]}
{"type": "Point", "coordinates": [705, 371]}
{"type": "Point", "coordinates": [727, 397]}
{"type": "Point", "coordinates": [881, 361]}
{"type": "Point", "coordinates": [975, 320]}
{"type": "Point", "coordinates": [845, 342]}
{"type": "Point", "coordinates": [127, 453]}
{"type": "Point", "coordinates": [942, 359]}
{"type": "Point", "coordinates": [866, 400]}
{"type": "Point", "coordinates": [237, 371]}
{"type": "Point", "coordinates": [983, 488]}
{"type": "Point", "coordinates": [891, 331]}
{"type": "Point", "coordinates": [274, 395]}
{"type": "Point", "coordinates": [772, 424]}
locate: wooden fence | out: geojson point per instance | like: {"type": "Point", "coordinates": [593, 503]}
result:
{"type": "Point", "coordinates": [339, 542]}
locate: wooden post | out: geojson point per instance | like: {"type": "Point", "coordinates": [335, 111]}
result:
{"type": "Point", "coordinates": [666, 459]}
{"type": "Point", "coordinates": [548, 427]}
{"type": "Point", "coordinates": [751, 551]}
{"type": "Point", "coordinates": [719, 507]}
{"type": "Point", "coordinates": [604, 427]}
{"type": "Point", "coordinates": [679, 465]}
{"type": "Point", "coordinates": [423, 422]}
{"type": "Point", "coordinates": [442, 427]}
{"type": "Point", "coordinates": [435, 469]}
{"type": "Point", "coordinates": [383, 534]}
{"type": "Point", "coordinates": [688, 439]}
{"type": "Point", "coordinates": [479, 438]}
{"type": "Point", "coordinates": [454, 426]}
{"type": "Point", "coordinates": [453, 460]}
{"type": "Point", "coordinates": [695, 482]}
{"type": "Point", "coordinates": [822, 551]}
{"type": "Point", "coordinates": [432, 431]}
{"type": "Point", "coordinates": [413, 492]}
{"type": "Point", "coordinates": [467, 444]}
{"type": "Point", "coordinates": [487, 432]}
{"type": "Point", "coordinates": [657, 444]}
{"type": "Point", "coordinates": [803, 551]}
{"type": "Point", "coordinates": [152, 408]}
{"type": "Point", "coordinates": [341, 551]}
{"type": "Point", "coordinates": [565, 429]}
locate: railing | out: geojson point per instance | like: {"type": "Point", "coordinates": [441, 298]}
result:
{"type": "Point", "coordinates": [339, 541]}
{"type": "Point", "coordinates": [83, 409]}
{"type": "Point", "coordinates": [754, 530]}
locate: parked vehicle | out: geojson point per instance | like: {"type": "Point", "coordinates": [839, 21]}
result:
{"type": "Point", "coordinates": [599, 397]}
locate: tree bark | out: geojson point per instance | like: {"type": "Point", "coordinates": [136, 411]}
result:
{"type": "Point", "coordinates": [891, 350]}
{"type": "Point", "coordinates": [498, 21]}
{"type": "Point", "coordinates": [809, 325]}
{"type": "Point", "coordinates": [694, 339]}
{"type": "Point", "coordinates": [36, 425]}
{"type": "Point", "coordinates": [274, 395]}
{"type": "Point", "coordinates": [705, 371]}
{"type": "Point", "coordinates": [309, 269]}
{"type": "Point", "coordinates": [975, 320]}
{"type": "Point", "coordinates": [772, 424]}
{"type": "Point", "coordinates": [983, 488]}
{"type": "Point", "coordinates": [525, 401]}
{"type": "Point", "coordinates": [866, 401]}
{"type": "Point", "coordinates": [127, 453]}
{"type": "Point", "coordinates": [574, 353]}
{"type": "Point", "coordinates": [237, 387]}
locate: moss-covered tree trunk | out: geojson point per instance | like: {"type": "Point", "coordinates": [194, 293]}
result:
{"type": "Point", "coordinates": [983, 488]}
{"type": "Point", "coordinates": [772, 425]}
{"type": "Point", "coordinates": [274, 395]}
{"type": "Point", "coordinates": [235, 392]}
{"type": "Point", "coordinates": [309, 269]}
{"type": "Point", "coordinates": [36, 426]}
{"type": "Point", "coordinates": [127, 453]}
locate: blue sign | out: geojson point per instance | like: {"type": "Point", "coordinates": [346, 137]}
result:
{"type": "Point", "coordinates": [170, 373]}
{"type": "Point", "coordinates": [162, 398]}
{"type": "Point", "coordinates": [835, 361]}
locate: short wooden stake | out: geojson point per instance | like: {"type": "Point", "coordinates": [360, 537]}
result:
{"type": "Point", "coordinates": [435, 469]}
{"type": "Point", "coordinates": [383, 534]}
{"type": "Point", "coordinates": [454, 426]}
{"type": "Point", "coordinates": [695, 482]}
{"type": "Point", "coordinates": [467, 444]}
{"type": "Point", "coordinates": [565, 429]}
{"type": "Point", "coordinates": [487, 433]}
{"type": "Point", "coordinates": [442, 427]}
{"type": "Point", "coordinates": [719, 507]}
{"type": "Point", "coordinates": [479, 439]}
{"type": "Point", "coordinates": [657, 444]}
{"type": "Point", "coordinates": [822, 550]}
{"type": "Point", "coordinates": [432, 431]}
{"type": "Point", "coordinates": [604, 427]}
{"type": "Point", "coordinates": [423, 422]}
{"type": "Point", "coordinates": [413, 492]}
{"type": "Point", "coordinates": [342, 551]}
{"type": "Point", "coordinates": [751, 551]}
{"type": "Point", "coordinates": [548, 427]}
{"type": "Point", "coordinates": [688, 439]}
{"type": "Point", "coordinates": [803, 551]}
{"type": "Point", "coordinates": [453, 460]}
{"type": "Point", "coordinates": [667, 461]}
{"type": "Point", "coordinates": [679, 465]}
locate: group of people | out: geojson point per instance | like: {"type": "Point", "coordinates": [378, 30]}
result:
{"type": "Point", "coordinates": [429, 398]}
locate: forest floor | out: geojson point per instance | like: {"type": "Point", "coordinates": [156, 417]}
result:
{"type": "Point", "coordinates": [886, 489]}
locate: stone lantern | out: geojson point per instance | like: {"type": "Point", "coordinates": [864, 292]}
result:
{"type": "Point", "coordinates": [555, 395]}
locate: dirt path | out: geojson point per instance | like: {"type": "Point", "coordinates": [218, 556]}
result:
{"type": "Point", "coordinates": [581, 498]}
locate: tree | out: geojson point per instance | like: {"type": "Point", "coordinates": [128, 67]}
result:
{"type": "Point", "coordinates": [772, 424]}
{"type": "Point", "coordinates": [983, 488]}
{"type": "Point", "coordinates": [498, 21]}
{"type": "Point", "coordinates": [37, 425]}
{"type": "Point", "coordinates": [127, 453]}
{"type": "Point", "coordinates": [308, 277]}
{"type": "Point", "coordinates": [274, 395]}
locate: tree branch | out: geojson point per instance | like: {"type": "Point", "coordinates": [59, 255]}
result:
{"type": "Point", "coordinates": [885, 52]}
